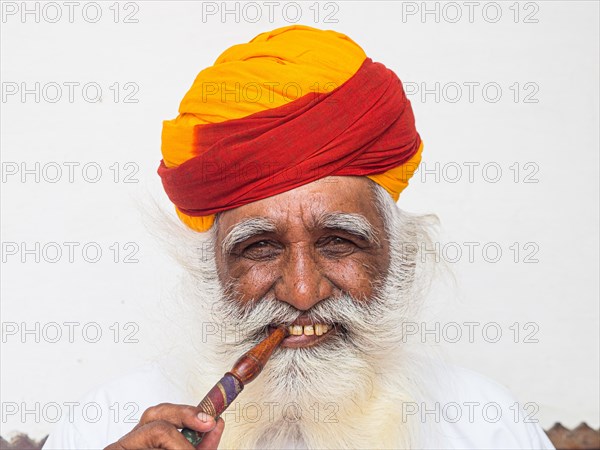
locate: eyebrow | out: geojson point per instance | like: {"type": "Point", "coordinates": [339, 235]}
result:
{"type": "Point", "coordinates": [245, 230]}
{"type": "Point", "coordinates": [351, 223]}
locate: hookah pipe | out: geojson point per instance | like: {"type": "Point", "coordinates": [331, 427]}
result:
{"type": "Point", "coordinates": [245, 370]}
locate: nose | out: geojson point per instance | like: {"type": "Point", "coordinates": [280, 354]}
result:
{"type": "Point", "coordinates": [302, 283]}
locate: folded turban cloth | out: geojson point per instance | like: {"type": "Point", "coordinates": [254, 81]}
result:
{"type": "Point", "coordinates": [293, 105]}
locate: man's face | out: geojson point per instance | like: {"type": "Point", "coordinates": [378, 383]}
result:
{"type": "Point", "coordinates": [312, 243]}
{"type": "Point", "coordinates": [315, 255]}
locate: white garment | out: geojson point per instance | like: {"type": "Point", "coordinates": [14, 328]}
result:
{"type": "Point", "coordinates": [462, 415]}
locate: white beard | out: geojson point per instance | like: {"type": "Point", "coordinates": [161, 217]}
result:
{"type": "Point", "coordinates": [345, 392]}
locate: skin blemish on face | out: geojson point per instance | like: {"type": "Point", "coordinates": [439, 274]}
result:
{"type": "Point", "coordinates": [305, 245]}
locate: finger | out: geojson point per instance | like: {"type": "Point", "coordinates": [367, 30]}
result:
{"type": "Point", "coordinates": [157, 434]}
{"type": "Point", "coordinates": [180, 416]}
{"type": "Point", "coordinates": [212, 438]}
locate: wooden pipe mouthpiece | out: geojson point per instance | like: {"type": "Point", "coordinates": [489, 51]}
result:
{"type": "Point", "coordinates": [245, 370]}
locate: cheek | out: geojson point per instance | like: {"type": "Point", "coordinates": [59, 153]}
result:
{"type": "Point", "coordinates": [354, 275]}
{"type": "Point", "coordinates": [250, 280]}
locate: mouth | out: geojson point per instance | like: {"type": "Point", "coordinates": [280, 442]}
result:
{"type": "Point", "coordinates": [305, 334]}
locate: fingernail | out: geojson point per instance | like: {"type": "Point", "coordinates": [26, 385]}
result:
{"type": "Point", "coordinates": [204, 417]}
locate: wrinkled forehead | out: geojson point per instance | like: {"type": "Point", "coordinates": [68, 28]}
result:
{"type": "Point", "coordinates": [309, 208]}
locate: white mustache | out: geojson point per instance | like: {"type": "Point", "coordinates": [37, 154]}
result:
{"type": "Point", "coordinates": [356, 321]}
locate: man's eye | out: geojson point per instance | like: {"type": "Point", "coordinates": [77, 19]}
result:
{"type": "Point", "coordinates": [338, 245]}
{"type": "Point", "coordinates": [260, 250]}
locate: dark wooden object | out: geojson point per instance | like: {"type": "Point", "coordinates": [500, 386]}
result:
{"type": "Point", "coordinates": [581, 438]}
{"type": "Point", "coordinates": [246, 369]}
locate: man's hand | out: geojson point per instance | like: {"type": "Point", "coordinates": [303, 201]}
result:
{"type": "Point", "coordinates": [158, 428]}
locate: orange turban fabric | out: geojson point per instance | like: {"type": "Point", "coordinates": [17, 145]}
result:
{"type": "Point", "coordinates": [291, 106]}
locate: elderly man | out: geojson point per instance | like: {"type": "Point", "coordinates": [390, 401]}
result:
{"type": "Point", "coordinates": [285, 164]}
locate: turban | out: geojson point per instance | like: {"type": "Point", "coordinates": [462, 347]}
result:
{"type": "Point", "coordinates": [291, 106]}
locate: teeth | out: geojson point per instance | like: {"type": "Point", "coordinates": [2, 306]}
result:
{"type": "Point", "coordinates": [308, 330]}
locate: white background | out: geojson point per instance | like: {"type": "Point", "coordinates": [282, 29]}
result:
{"type": "Point", "coordinates": [552, 45]}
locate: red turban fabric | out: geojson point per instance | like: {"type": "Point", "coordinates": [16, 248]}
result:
{"type": "Point", "coordinates": [363, 127]}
